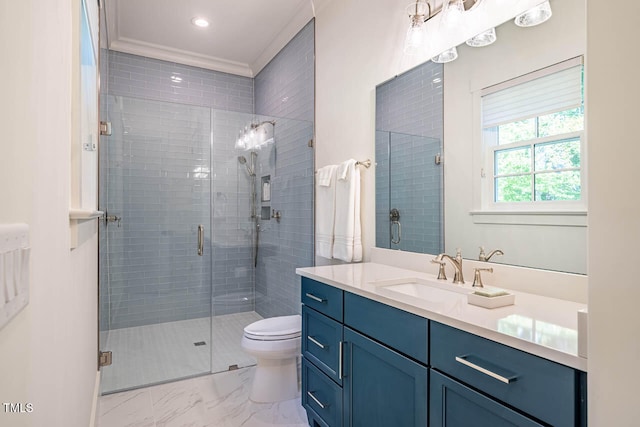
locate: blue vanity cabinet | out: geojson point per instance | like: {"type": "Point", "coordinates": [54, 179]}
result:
{"type": "Point", "coordinates": [455, 405]}
{"type": "Point", "coordinates": [322, 342]}
{"type": "Point", "coordinates": [382, 388]}
{"type": "Point", "coordinates": [385, 365]}
{"type": "Point", "coordinates": [321, 345]}
{"type": "Point", "coordinates": [544, 390]}
{"type": "Point", "coordinates": [368, 364]}
{"type": "Point", "coordinates": [321, 397]}
{"type": "Point", "coordinates": [364, 362]}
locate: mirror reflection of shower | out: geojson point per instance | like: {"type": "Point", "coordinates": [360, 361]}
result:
{"type": "Point", "coordinates": [251, 171]}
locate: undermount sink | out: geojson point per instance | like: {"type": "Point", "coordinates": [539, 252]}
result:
{"type": "Point", "coordinates": [433, 291]}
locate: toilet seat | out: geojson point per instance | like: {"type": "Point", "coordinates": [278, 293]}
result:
{"type": "Point", "coordinates": [275, 328]}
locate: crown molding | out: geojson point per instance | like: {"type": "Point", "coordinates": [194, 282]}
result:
{"type": "Point", "coordinates": [165, 53]}
{"type": "Point", "coordinates": [303, 15]}
{"type": "Point", "coordinates": [116, 42]}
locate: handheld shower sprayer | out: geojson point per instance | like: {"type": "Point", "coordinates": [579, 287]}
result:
{"type": "Point", "coordinates": [243, 161]}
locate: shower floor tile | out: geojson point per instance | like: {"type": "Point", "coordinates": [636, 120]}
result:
{"type": "Point", "coordinates": [220, 400]}
{"type": "Point", "coordinates": [164, 352]}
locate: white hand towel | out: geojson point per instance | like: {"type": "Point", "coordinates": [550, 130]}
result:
{"type": "Point", "coordinates": [325, 210]}
{"type": "Point", "coordinates": [347, 245]}
{"type": "Point", "coordinates": [344, 170]}
{"type": "Point", "coordinates": [325, 175]}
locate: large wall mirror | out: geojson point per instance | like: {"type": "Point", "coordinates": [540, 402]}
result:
{"type": "Point", "coordinates": [432, 114]}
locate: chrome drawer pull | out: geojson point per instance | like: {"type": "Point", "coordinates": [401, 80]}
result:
{"type": "Point", "coordinates": [498, 377]}
{"type": "Point", "coordinates": [315, 399]}
{"type": "Point", "coordinates": [316, 342]}
{"type": "Point", "coordinates": [313, 297]}
{"type": "Point", "coordinates": [340, 361]}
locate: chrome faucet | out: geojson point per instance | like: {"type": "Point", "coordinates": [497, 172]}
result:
{"type": "Point", "coordinates": [456, 262]}
{"type": "Point", "coordinates": [485, 258]}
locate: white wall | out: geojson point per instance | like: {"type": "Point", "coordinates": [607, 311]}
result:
{"type": "Point", "coordinates": [517, 51]}
{"type": "Point", "coordinates": [612, 92]}
{"type": "Point", "coordinates": [48, 352]}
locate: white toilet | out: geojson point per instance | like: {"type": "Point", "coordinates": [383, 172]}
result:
{"type": "Point", "coordinates": [275, 343]}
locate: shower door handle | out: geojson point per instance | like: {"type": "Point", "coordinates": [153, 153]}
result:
{"type": "Point", "coordinates": [200, 240]}
{"type": "Point", "coordinates": [394, 217]}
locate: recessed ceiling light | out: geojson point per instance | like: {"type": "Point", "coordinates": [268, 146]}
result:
{"type": "Point", "coordinates": [176, 79]}
{"type": "Point", "coordinates": [200, 22]}
{"type": "Point", "coordinates": [436, 80]}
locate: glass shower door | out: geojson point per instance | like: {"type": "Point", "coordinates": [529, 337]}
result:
{"type": "Point", "coordinates": [415, 191]}
{"type": "Point", "coordinates": [155, 284]}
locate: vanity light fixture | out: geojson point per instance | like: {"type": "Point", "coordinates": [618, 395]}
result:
{"type": "Point", "coordinates": [451, 15]}
{"type": "Point", "coordinates": [418, 13]}
{"type": "Point", "coordinates": [534, 16]}
{"type": "Point", "coordinates": [199, 21]}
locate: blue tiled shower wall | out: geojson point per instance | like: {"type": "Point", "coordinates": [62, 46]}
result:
{"type": "Point", "coordinates": [409, 134]}
{"type": "Point", "coordinates": [285, 88]}
{"type": "Point", "coordinates": [171, 165]}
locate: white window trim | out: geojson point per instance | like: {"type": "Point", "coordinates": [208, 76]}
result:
{"type": "Point", "coordinates": [486, 211]}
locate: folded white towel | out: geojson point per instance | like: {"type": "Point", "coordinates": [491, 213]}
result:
{"type": "Point", "coordinates": [325, 174]}
{"type": "Point", "coordinates": [325, 210]}
{"type": "Point", "coordinates": [344, 169]}
{"type": "Point", "coordinates": [347, 244]}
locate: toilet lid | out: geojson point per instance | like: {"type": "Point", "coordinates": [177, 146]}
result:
{"type": "Point", "coordinates": [275, 328]}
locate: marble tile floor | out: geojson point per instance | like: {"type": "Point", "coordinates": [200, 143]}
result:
{"type": "Point", "coordinates": [163, 352]}
{"type": "Point", "coordinates": [218, 400]}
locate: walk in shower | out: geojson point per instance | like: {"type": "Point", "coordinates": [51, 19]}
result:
{"type": "Point", "coordinates": [190, 240]}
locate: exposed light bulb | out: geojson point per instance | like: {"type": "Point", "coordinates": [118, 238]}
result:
{"type": "Point", "coordinates": [446, 56]}
{"type": "Point", "coordinates": [414, 40]}
{"type": "Point", "coordinates": [452, 12]}
{"type": "Point", "coordinates": [485, 38]}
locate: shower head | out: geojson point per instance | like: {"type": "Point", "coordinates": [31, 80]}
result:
{"type": "Point", "coordinates": [243, 161]}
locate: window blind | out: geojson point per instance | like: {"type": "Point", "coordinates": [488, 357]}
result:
{"type": "Point", "coordinates": [543, 92]}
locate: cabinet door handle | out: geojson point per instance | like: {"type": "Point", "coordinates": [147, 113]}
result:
{"type": "Point", "coordinates": [315, 399]}
{"type": "Point", "coordinates": [340, 360]}
{"type": "Point", "coordinates": [464, 361]}
{"type": "Point", "coordinates": [315, 298]}
{"type": "Point", "coordinates": [316, 342]}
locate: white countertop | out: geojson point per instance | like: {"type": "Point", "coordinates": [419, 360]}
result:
{"type": "Point", "coordinates": [543, 326]}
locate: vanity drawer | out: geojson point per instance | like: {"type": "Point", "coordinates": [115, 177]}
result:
{"type": "Point", "coordinates": [320, 396]}
{"type": "Point", "coordinates": [539, 387]}
{"type": "Point", "coordinates": [404, 332]}
{"type": "Point", "coordinates": [324, 298]}
{"type": "Point", "coordinates": [456, 405]}
{"type": "Point", "coordinates": [321, 342]}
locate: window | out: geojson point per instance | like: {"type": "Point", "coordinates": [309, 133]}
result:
{"type": "Point", "coordinates": [533, 141]}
